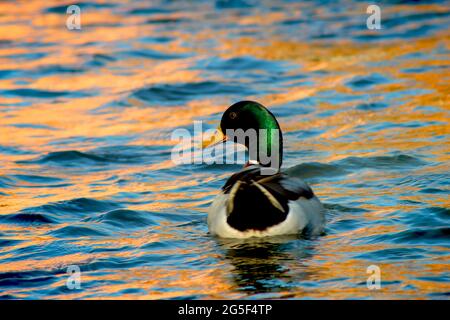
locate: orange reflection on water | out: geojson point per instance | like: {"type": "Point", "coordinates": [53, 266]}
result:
{"type": "Point", "coordinates": [92, 111]}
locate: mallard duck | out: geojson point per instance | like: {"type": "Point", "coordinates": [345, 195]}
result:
{"type": "Point", "coordinates": [261, 200]}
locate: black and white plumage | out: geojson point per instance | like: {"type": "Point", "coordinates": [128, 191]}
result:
{"type": "Point", "coordinates": [255, 205]}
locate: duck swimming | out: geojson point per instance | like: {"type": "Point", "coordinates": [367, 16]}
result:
{"type": "Point", "coordinates": [261, 200]}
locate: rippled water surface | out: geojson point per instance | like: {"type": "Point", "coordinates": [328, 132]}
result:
{"type": "Point", "coordinates": [86, 118]}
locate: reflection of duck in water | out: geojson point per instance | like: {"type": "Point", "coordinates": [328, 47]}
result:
{"type": "Point", "coordinates": [266, 265]}
{"type": "Point", "coordinates": [254, 203]}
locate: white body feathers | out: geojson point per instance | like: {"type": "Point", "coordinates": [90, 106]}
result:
{"type": "Point", "coordinates": [302, 213]}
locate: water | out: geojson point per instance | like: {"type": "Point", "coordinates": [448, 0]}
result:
{"type": "Point", "coordinates": [85, 123]}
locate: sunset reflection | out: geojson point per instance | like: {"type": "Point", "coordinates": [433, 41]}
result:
{"type": "Point", "coordinates": [87, 179]}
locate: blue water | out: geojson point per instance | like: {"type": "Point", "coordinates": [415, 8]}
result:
{"type": "Point", "coordinates": [86, 177]}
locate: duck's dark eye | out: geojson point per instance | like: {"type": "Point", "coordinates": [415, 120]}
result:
{"type": "Point", "coordinates": [233, 115]}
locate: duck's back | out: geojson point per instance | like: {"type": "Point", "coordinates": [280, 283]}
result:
{"type": "Point", "coordinates": [252, 204]}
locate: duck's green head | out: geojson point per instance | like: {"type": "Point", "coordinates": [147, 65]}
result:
{"type": "Point", "coordinates": [251, 124]}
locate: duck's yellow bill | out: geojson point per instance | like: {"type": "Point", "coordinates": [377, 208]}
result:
{"type": "Point", "coordinates": [214, 139]}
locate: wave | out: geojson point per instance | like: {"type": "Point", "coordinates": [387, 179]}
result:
{"type": "Point", "coordinates": [184, 92]}
{"type": "Point", "coordinates": [381, 162]}
{"type": "Point", "coordinates": [70, 210]}
{"type": "Point", "coordinates": [316, 169]}
{"type": "Point", "coordinates": [27, 218]}
{"type": "Point", "coordinates": [123, 218]}
{"type": "Point", "coordinates": [421, 235]}
{"type": "Point", "coordinates": [31, 181]}
{"type": "Point", "coordinates": [79, 231]}
{"type": "Point", "coordinates": [72, 158]}
{"type": "Point", "coordinates": [26, 279]}
{"type": "Point", "coordinates": [103, 156]}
